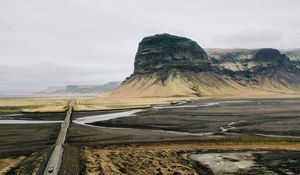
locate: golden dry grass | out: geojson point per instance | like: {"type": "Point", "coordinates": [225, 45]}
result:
{"type": "Point", "coordinates": [165, 158]}
{"type": "Point", "coordinates": [8, 163]}
{"type": "Point", "coordinates": [206, 84]}
{"type": "Point", "coordinates": [46, 109]}
{"type": "Point", "coordinates": [137, 162]}
{"type": "Point", "coordinates": [83, 108]}
{"type": "Point", "coordinates": [119, 103]}
{"type": "Point", "coordinates": [33, 105]}
{"type": "Point", "coordinates": [110, 103]}
{"type": "Point", "coordinates": [177, 85]}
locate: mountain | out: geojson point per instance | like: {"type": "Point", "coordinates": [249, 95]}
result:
{"type": "Point", "coordinates": [242, 54]}
{"type": "Point", "coordinates": [167, 65]}
{"type": "Point", "coordinates": [164, 52]}
{"type": "Point", "coordinates": [293, 54]}
{"type": "Point", "coordinates": [80, 89]}
{"type": "Point", "coordinates": [52, 89]}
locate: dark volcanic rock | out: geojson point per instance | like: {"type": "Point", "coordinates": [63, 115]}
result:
{"type": "Point", "coordinates": [165, 51]}
{"type": "Point", "coordinates": [168, 65]}
{"type": "Point", "coordinates": [270, 61]}
{"type": "Point", "coordinates": [272, 56]}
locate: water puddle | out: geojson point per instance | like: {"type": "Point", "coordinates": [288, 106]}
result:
{"type": "Point", "coordinates": [104, 117]}
{"type": "Point", "coordinates": [27, 121]}
{"type": "Point", "coordinates": [199, 105]}
{"type": "Point", "coordinates": [10, 115]}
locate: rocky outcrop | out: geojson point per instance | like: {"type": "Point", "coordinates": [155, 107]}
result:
{"type": "Point", "coordinates": [271, 61]}
{"type": "Point", "coordinates": [167, 65]}
{"type": "Point", "coordinates": [163, 52]}
{"type": "Point", "coordinates": [271, 56]}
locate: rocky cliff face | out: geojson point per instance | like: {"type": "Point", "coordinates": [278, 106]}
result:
{"type": "Point", "coordinates": [163, 52]}
{"type": "Point", "coordinates": [271, 56]}
{"type": "Point", "coordinates": [168, 65]}
{"type": "Point", "coordinates": [266, 61]}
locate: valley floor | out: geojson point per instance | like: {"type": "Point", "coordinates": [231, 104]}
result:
{"type": "Point", "coordinates": [253, 136]}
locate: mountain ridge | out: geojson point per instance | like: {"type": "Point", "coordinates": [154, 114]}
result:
{"type": "Point", "coordinates": [178, 66]}
{"type": "Point", "coordinates": [80, 89]}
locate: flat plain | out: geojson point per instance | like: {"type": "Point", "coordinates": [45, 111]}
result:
{"type": "Point", "coordinates": [255, 136]}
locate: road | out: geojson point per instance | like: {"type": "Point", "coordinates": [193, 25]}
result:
{"type": "Point", "coordinates": [57, 154]}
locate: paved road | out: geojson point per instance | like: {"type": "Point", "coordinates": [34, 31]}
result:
{"type": "Point", "coordinates": [57, 154]}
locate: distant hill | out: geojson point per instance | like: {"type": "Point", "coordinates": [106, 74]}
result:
{"type": "Point", "coordinates": [52, 89]}
{"type": "Point", "coordinates": [242, 54]}
{"type": "Point", "coordinates": [293, 54]}
{"type": "Point", "coordinates": [80, 89]}
{"type": "Point", "coordinates": [167, 65]}
{"type": "Point", "coordinates": [230, 54]}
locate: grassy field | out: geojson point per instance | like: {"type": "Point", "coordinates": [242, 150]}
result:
{"type": "Point", "coordinates": [103, 103]}
{"type": "Point", "coordinates": [40, 105]}
{"type": "Point", "coordinates": [9, 163]}
{"type": "Point", "coordinates": [115, 103]}
{"type": "Point", "coordinates": [114, 151]}
{"type": "Point", "coordinates": [166, 158]}
{"type": "Point", "coordinates": [33, 105]}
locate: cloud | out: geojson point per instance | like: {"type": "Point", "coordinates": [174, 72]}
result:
{"type": "Point", "coordinates": [42, 75]}
{"type": "Point", "coordinates": [249, 38]}
{"type": "Point", "coordinates": [97, 40]}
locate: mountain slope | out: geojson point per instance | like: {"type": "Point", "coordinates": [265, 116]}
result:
{"type": "Point", "coordinates": [178, 83]}
{"type": "Point", "coordinates": [167, 65]}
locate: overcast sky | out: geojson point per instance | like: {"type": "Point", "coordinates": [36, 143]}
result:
{"type": "Point", "coordinates": [61, 42]}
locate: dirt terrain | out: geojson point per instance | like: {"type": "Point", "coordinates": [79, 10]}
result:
{"type": "Point", "coordinates": [25, 148]}
{"type": "Point", "coordinates": [173, 159]}
{"type": "Point", "coordinates": [250, 116]}
{"type": "Point", "coordinates": [155, 140]}
{"type": "Point", "coordinates": [8, 163]}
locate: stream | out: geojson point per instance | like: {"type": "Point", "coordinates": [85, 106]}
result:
{"type": "Point", "coordinates": [88, 120]}
{"type": "Point", "coordinates": [223, 129]}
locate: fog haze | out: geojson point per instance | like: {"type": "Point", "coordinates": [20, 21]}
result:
{"type": "Point", "coordinates": [44, 43]}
